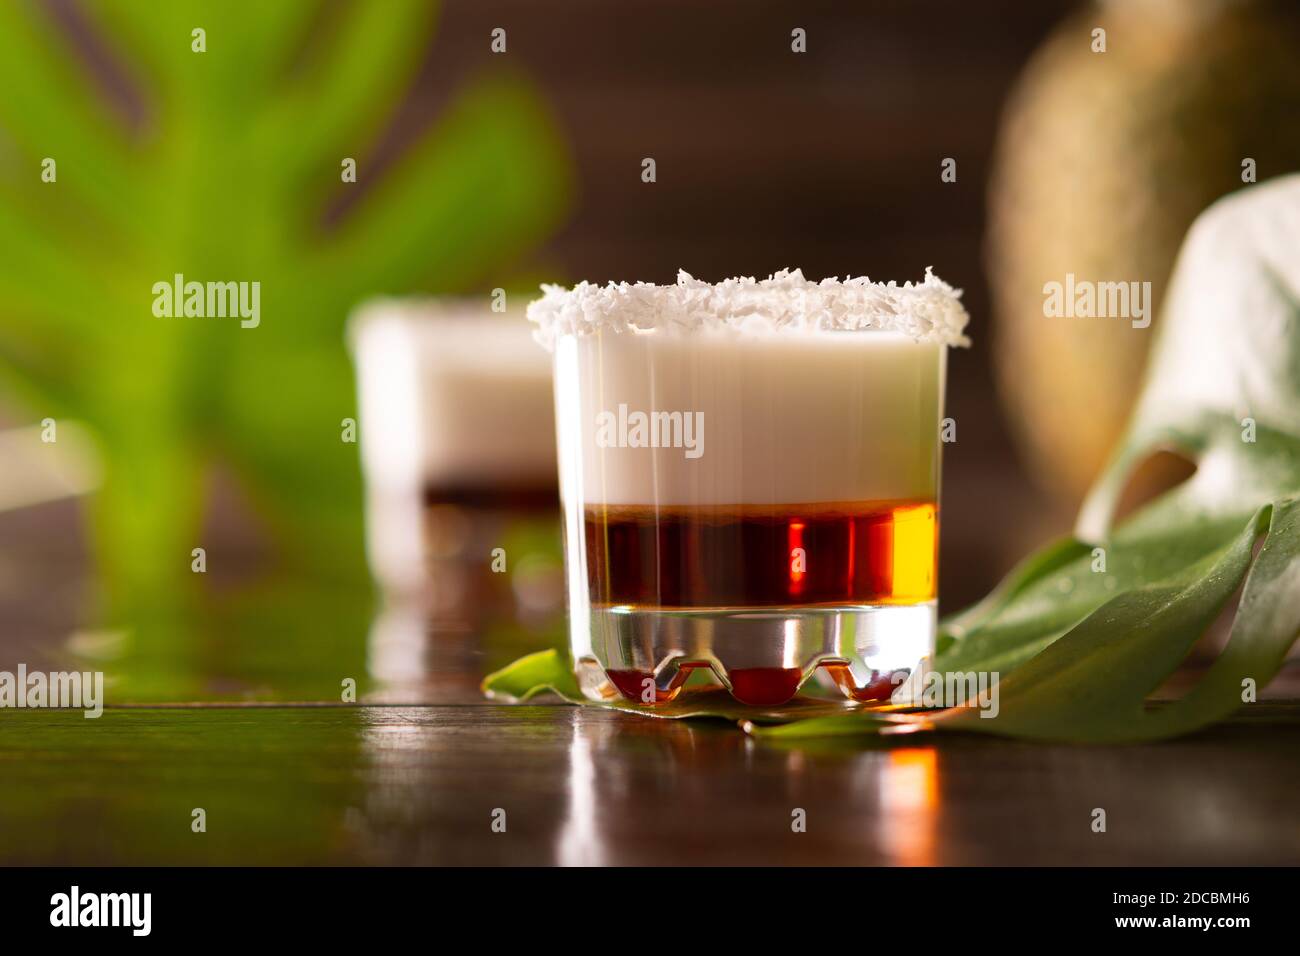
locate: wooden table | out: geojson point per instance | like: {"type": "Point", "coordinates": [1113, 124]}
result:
{"type": "Point", "coordinates": [423, 784]}
{"type": "Point", "coordinates": [414, 773]}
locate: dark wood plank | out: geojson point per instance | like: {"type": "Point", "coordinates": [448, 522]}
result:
{"type": "Point", "coordinates": [419, 785]}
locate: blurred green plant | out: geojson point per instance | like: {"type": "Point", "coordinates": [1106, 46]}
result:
{"type": "Point", "coordinates": [230, 178]}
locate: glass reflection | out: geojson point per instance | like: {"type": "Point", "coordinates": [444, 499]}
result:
{"type": "Point", "coordinates": [909, 803]}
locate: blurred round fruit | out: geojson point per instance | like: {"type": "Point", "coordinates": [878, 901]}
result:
{"type": "Point", "coordinates": [1104, 160]}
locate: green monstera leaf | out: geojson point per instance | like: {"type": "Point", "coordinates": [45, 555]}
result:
{"type": "Point", "coordinates": [1084, 631]}
{"type": "Point", "coordinates": [229, 167]}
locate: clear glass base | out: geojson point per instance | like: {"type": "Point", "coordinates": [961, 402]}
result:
{"type": "Point", "coordinates": [762, 656]}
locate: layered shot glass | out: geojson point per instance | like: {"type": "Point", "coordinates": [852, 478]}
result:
{"type": "Point", "coordinates": [458, 452]}
{"type": "Point", "coordinates": [749, 474]}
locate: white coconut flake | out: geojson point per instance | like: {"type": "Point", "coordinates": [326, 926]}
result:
{"type": "Point", "coordinates": [927, 311]}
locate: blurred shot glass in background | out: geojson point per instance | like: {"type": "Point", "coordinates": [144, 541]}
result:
{"type": "Point", "coordinates": [458, 454]}
{"type": "Point", "coordinates": [750, 476]}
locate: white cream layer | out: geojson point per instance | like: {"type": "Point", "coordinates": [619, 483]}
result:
{"type": "Point", "coordinates": [786, 417]}
{"type": "Point", "coordinates": [452, 393]}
